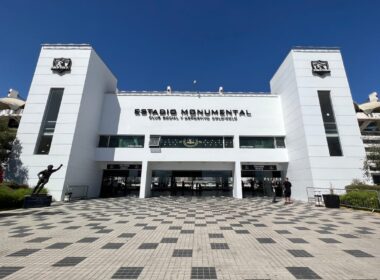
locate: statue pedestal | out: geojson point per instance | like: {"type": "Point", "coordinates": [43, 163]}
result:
{"type": "Point", "coordinates": [39, 200]}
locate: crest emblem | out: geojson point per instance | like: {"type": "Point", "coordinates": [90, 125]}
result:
{"type": "Point", "coordinates": [190, 143]}
{"type": "Point", "coordinates": [320, 67]}
{"type": "Point", "coordinates": [61, 65]}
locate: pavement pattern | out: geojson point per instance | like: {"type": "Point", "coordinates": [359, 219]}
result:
{"type": "Point", "coordinates": [188, 238]}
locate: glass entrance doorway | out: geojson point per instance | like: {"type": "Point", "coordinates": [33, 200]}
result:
{"type": "Point", "coordinates": [259, 182]}
{"type": "Point", "coordinates": [117, 183]}
{"type": "Point", "coordinates": [191, 183]}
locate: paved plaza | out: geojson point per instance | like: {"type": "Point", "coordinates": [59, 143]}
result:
{"type": "Point", "coordinates": [188, 238]}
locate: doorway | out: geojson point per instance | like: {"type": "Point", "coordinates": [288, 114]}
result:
{"type": "Point", "coordinates": [191, 183]}
{"type": "Point", "coordinates": [118, 183]}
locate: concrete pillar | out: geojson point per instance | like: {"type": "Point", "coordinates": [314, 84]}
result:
{"type": "Point", "coordinates": [145, 181]}
{"type": "Point", "coordinates": [238, 190]}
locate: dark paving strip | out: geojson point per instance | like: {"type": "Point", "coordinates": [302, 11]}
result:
{"type": "Point", "coordinates": [215, 235]}
{"type": "Point", "coordinates": [23, 253]}
{"type": "Point", "coordinates": [8, 270]}
{"type": "Point", "coordinates": [283, 231]}
{"type": "Point", "coordinates": [59, 245]}
{"type": "Point", "coordinates": [169, 240]}
{"type": "Point", "coordinates": [203, 273]}
{"type": "Point", "coordinates": [303, 273]}
{"type": "Point", "coordinates": [347, 235]}
{"type": "Point", "coordinates": [358, 253]}
{"type": "Point", "coordinates": [112, 245]}
{"type": "Point", "coordinates": [219, 246]}
{"type": "Point", "coordinates": [147, 246]}
{"type": "Point", "coordinates": [187, 231]}
{"type": "Point", "coordinates": [87, 240]}
{"type": "Point", "coordinates": [329, 240]}
{"type": "Point", "coordinates": [297, 240]}
{"type": "Point", "coordinates": [104, 231]}
{"type": "Point", "coordinates": [69, 261]}
{"type": "Point", "coordinates": [128, 273]}
{"type": "Point", "coordinates": [38, 240]}
{"type": "Point", "coordinates": [186, 253]}
{"type": "Point", "coordinates": [72, 227]}
{"type": "Point", "coordinates": [300, 254]}
{"type": "Point", "coordinates": [241, 231]}
{"type": "Point", "coordinates": [20, 235]}
{"type": "Point", "coordinates": [265, 240]}
{"type": "Point", "coordinates": [149, 228]}
{"type": "Point", "coordinates": [127, 235]}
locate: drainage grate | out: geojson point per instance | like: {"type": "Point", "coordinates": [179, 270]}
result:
{"type": "Point", "coordinates": [183, 253]}
{"type": "Point", "coordinates": [203, 273]}
{"type": "Point", "coordinates": [219, 246]}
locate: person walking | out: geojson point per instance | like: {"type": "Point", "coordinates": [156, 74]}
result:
{"type": "Point", "coordinates": [287, 190]}
{"type": "Point", "coordinates": [44, 176]}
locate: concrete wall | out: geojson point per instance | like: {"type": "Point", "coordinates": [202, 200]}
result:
{"type": "Point", "coordinates": [43, 80]}
{"type": "Point", "coordinates": [83, 169]}
{"type": "Point", "coordinates": [309, 161]}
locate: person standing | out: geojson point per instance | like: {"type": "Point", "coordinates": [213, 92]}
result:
{"type": "Point", "coordinates": [287, 190]}
{"type": "Point", "coordinates": [274, 186]}
{"type": "Point", "coordinates": [44, 176]}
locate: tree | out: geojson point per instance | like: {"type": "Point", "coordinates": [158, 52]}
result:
{"type": "Point", "coordinates": [372, 161]}
{"type": "Point", "coordinates": [15, 171]}
{"type": "Point", "coordinates": [7, 136]}
{"type": "Point", "coordinates": [10, 151]}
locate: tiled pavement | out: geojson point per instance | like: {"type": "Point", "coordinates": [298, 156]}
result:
{"type": "Point", "coordinates": [188, 238]}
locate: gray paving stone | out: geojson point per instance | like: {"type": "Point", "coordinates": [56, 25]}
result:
{"type": "Point", "coordinates": [69, 261]}
{"type": "Point", "coordinates": [303, 273]}
{"type": "Point", "coordinates": [128, 273]}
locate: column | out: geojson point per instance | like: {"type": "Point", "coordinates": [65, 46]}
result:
{"type": "Point", "coordinates": [145, 181]}
{"type": "Point", "coordinates": [238, 190]}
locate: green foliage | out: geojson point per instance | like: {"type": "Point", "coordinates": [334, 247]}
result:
{"type": "Point", "coordinates": [13, 185]}
{"type": "Point", "coordinates": [364, 199]}
{"type": "Point", "coordinates": [362, 186]}
{"type": "Point", "coordinates": [7, 136]}
{"type": "Point", "coordinates": [12, 195]}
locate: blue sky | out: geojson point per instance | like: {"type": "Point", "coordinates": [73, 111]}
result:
{"type": "Point", "coordinates": [151, 44]}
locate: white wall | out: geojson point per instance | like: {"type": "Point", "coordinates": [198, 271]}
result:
{"type": "Point", "coordinates": [119, 118]}
{"type": "Point", "coordinates": [307, 144]}
{"type": "Point", "coordinates": [83, 169]}
{"type": "Point", "coordinates": [43, 80]}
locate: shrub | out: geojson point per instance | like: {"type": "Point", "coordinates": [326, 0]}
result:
{"type": "Point", "coordinates": [14, 185]}
{"type": "Point", "coordinates": [364, 199]}
{"type": "Point", "coordinates": [13, 198]}
{"type": "Point", "coordinates": [362, 186]}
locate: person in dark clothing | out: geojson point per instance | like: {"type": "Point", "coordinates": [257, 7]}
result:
{"type": "Point", "coordinates": [44, 176]}
{"type": "Point", "coordinates": [287, 190]}
{"type": "Point", "coordinates": [274, 186]}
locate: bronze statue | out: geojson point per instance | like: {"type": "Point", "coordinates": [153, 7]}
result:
{"type": "Point", "coordinates": [44, 176]}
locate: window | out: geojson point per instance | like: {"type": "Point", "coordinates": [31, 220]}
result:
{"type": "Point", "coordinates": [49, 121]}
{"type": "Point", "coordinates": [121, 141]}
{"type": "Point", "coordinates": [228, 142]}
{"type": "Point", "coordinates": [331, 130]}
{"type": "Point", "coordinates": [154, 141]}
{"type": "Point", "coordinates": [280, 142]}
{"type": "Point", "coordinates": [334, 146]}
{"type": "Point", "coordinates": [262, 142]}
{"type": "Point", "coordinates": [191, 141]}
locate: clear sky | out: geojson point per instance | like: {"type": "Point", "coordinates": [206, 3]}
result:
{"type": "Point", "coordinates": [151, 44]}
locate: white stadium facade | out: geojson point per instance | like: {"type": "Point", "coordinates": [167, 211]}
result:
{"type": "Point", "coordinates": [113, 142]}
